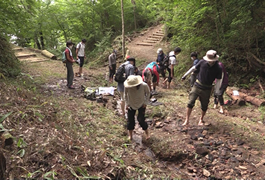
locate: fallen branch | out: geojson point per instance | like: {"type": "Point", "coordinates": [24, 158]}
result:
{"type": "Point", "coordinates": [48, 54]}
{"type": "Point", "coordinates": [244, 97]}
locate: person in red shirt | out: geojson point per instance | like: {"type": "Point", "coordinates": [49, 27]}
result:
{"type": "Point", "coordinates": [69, 64]}
{"type": "Point", "coordinates": [150, 71]}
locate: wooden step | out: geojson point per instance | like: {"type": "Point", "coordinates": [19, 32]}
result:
{"type": "Point", "coordinates": [149, 41]}
{"type": "Point", "coordinates": [25, 55]}
{"type": "Point", "coordinates": [33, 60]}
{"type": "Point", "coordinates": [158, 34]}
{"type": "Point", "coordinates": [144, 44]}
{"type": "Point", "coordinates": [17, 49]}
{"type": "Point", "coordinates": [153, 39]}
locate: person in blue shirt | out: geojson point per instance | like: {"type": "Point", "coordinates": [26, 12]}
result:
{"type": "Point", "coordinates": [194, 58]}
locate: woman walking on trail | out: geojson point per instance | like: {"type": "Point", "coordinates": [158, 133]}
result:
{"type": "Point", "coordinates": [218, 93]}
{"type": "Point", "coordinates": [137, 95]}
{"type": "Point", "coordinates": [69, 64]}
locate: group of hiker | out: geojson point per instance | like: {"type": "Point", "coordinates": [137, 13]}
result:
{"type": "Point", "coordinates": [135, 87]}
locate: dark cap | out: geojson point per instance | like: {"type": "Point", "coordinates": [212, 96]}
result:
{"type": "Point", "coordinates": [69, 43]}
{"type": "Point", "coordinates": [83, 40]}
{"type": "Point", "coordinates": [131, 59]}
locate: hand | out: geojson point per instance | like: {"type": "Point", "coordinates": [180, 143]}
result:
{"type": "Point", "coordinates": [144, 106]}
{"type": "Point", "coordinates": [183, 78]}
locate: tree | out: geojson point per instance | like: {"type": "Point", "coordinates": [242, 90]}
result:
{"type": "Point", "coordinates": [123, 34]}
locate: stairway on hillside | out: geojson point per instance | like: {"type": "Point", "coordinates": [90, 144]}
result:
{"type": "Point", "coordinates": [152, 39]}
{"type": "Point", "coordinates": [27, 55]}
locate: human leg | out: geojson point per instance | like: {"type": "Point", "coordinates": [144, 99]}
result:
{"type": "Point", "coordinates": [169, 78]}
{"type": "Point", "coordinates": [70, 74]}
{"type": "Point", "coordinates": [122, 103]}
{"type": "Point", "coordinates": [81, 64]}
{"type": "Point", "coordinates": [192, 98]}
{"type": "Point", "coordinates": [141, 120]}
{"type": "Point", "coordinates": [220, 97]}
{"type": "Point", "coordinates": [131, 122]}
{"type": "Point", "coordinates": [204, 96]}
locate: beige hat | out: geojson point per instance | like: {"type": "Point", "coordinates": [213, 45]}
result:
{"type": "Point", "coordinates": [133, 81]}
{"type": "Point", "coordinates": [211, 55]}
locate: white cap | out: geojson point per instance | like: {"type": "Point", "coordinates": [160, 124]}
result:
{"type": "Point", "coordinates": [159, 50]}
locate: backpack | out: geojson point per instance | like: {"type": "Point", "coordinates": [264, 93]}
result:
{"type": "Point", "coordinates": [120, 75]}
{"type": "Point", "coordinates": [165, 61]}
{"type": "Point", "coordinates": [64, 57]}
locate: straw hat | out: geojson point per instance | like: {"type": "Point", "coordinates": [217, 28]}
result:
{"type": "Point", "coordinates": [133, 81]}
{"type": "Point", "coordinates": [211, 55]}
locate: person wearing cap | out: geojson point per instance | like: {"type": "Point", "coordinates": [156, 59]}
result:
{"type": "Point", "coordinates": [159, 61]}
{"type": "Point", "coordinates": [137, 95]}
{"type": "Point", "coordinates": [129, 70]}
{"type": "Point", "coordinates": [194, 58]}
{"type": "Point", "coordinates": [209, 70]}
{"type": "Point", "coordinates": [69, 64]}
{"type": "Point", "coordinates": [150, 73]}
{"type": "Point", "coordinates": [80, 54]}
{"type": "Point", "coordinates": [219, 92]}
{"type": "Point", "coordinates": [112, 65]}
{"type": "Point", "coordinates": [172, 63]}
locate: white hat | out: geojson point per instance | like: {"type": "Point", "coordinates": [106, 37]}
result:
{"type": "Point", "coordinates": [133, 81]}
{"type": "Point", "coordinates": [159, 50]}
{"type": "Point", "coordinates": [211, 55]}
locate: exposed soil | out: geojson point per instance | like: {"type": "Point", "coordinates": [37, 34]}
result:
{"type": "Point", "coordinates": [71, 137]}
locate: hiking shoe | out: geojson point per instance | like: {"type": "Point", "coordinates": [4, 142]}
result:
{"type": "Point", "coordinates": [154, 93]}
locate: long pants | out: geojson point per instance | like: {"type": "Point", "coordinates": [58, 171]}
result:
{"type": "Point", "coordinates": [70, 73]}
{"type": "Point", "coordinates": [140, 118]}
{"type": "Point", "coordinates": [218, 97]}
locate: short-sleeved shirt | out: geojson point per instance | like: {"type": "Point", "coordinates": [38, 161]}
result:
{"type": "Point", "coordinates": [172, 58]}
{"type": "Point", "coordinates": [129, 70]}
{"type": "Point", "coordinates": [70, 54]}
{"type": "Point", "coordinates": [207, 74]}
{"type": "Point", "coordinates": [81, 49]}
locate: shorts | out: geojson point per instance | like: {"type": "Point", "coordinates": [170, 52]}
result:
{"type": "Point", "coordinates": [82, 59]}
{"type": "Point", "coordinates": [122, 95]}
{"type": "Point", "coordinates": [204, 97]}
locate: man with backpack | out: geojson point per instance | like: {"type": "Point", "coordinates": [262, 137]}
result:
{"type": "Point", "coordinates": [80, 54]}
{"type": "Point", "coordinates": [150, 73]}
{"type": "Point", "coordinates": [209, 70]}
{"type": "Point", "coordinates": [126, 69]}
{"type": "Point", "coordinates": [69, 64]}
{"type": "Point", "coordinates": [172, 62]}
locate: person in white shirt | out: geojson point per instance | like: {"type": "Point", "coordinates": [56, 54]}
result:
{"type": "Point", "coordinates": [172, 63]}
{"type": "Point", "coordinates": [80, 54]}
{"type": "Point", "coordinates": [137, 94]}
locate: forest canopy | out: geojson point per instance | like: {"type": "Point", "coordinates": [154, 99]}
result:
{"type": "Point", "coordinates": [235, 28]}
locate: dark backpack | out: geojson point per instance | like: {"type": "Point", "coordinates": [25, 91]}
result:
{"type": "Point", "coordinates": [120, 75]}
{"type": "Point", "coordinates": [165, 61]}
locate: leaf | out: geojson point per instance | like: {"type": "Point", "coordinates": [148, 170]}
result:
{"type": "Point", "coordinates": [52, 173]}
{"type": "Point", "coordinates": [5, 116]}
{"type": "Point", "coordinates": [21, 152]}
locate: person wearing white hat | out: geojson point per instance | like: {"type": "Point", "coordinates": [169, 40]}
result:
{"type": "Point", "coordinates": [137, 94]}
{"type": "Point", "coordinates": [209, 70]}
{"type": "Point", "coordinates": [159, 60]}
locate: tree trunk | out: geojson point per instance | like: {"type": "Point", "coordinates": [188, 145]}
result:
{"type": "Point", "coordinates": [236, 99]}
{"type": "Point", "coordinates": [134, 13]}
{"type": "Point", "coordinates": [245, 97]}
{"type": "Point", "coordinates": [123, 33]}
{"type": "Point", "coordinates": [42, 40]}
{"type": "Point", "coordinates": [48, 54]}
{"type": "Point", "coordinates": [37, 42]}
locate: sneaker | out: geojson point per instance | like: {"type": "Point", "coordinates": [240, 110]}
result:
{"type": "Point", "coordinates": [154, 93]}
